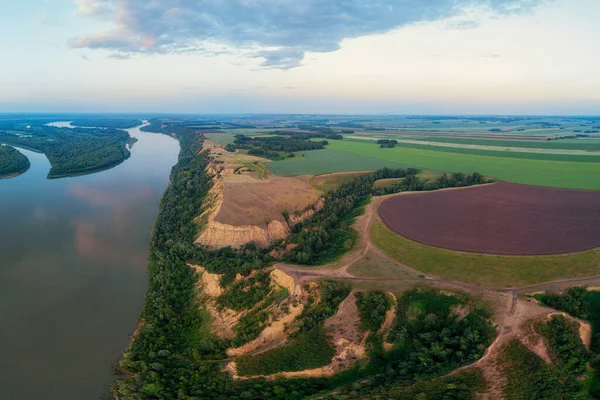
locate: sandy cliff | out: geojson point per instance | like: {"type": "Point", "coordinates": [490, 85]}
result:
{"type": "Point", "coordinates": [217, 234]}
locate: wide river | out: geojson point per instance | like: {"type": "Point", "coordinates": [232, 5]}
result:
{"type": "Point", "coordinates": [73, 257]}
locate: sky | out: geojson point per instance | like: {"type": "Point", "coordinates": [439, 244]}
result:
{"type": "Point", "coordinates": [301, 56]}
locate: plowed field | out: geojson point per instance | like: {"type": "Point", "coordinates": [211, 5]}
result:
{"type": "Point", "coordinates": [503, 218]}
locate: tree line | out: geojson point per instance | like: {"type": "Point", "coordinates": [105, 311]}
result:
{"type": "Point", "coordinates": [273, 147]}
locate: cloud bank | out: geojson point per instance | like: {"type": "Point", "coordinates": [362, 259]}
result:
{"type": "Point", "coordinates": [278, 31]}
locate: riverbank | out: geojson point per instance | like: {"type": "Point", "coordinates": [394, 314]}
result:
{"type": "Point", "coordinates": [12, 162]}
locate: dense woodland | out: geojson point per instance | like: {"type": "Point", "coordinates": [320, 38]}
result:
{"type": "Point", "coordinates": [12, 162]}
{"type": "Point", "coordinates": [113, 123]}
{"type": "Point", "coordinates": [174, 355]}
{"type": "Point", "coordinates": [273, 147]}
{"type": "Point", "coordinates": [71, 151]}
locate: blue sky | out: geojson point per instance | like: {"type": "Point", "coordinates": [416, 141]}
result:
{"type": "Point", "coordinates": [309, 56]}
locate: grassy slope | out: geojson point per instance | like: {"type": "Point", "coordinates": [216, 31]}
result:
{"type": "Point", "coordinates": [485, 270]}
{"type": "Point", "coordinates": [572, 175]}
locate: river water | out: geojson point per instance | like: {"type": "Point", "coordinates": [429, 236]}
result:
{"type": "Point", "coordinates": [73, 257]}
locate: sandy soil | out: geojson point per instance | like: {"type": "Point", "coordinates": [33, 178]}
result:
{"type": "Point", "coordinates": [275, 333]}
{"type": "Point", "coordinates": [249, 201]}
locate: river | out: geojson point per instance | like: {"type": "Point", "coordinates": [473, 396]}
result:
{"type": "Point", "coordinates": [73, 258]}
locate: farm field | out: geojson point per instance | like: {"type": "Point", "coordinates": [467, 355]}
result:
{"type": "Point", "coordinates": [505, 152]}
{"type": "Point", "coordinates": [503, 218]}
{"type": "Point", "coordinates": [572, 175]}
{"type": "Point", "coordinates": [483, 269]}
{"type": "Point", "coordinates": [567, 144]}
{"type": "Point", "coordinates": [221, 138]}
{"type": "Point", "coordinates": [328, 161]}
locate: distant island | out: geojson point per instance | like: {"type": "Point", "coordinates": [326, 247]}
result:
{"type": "Point", "coordinates": [70, 151]}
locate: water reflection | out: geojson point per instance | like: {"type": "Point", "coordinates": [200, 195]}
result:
{"type": "Point", "coordinates": [73, 263]}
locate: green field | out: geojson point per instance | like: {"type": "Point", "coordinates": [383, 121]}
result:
{"type": "Point", "coordinates": [483, 269]}
{"type": "Point", "coordinates": [507, 154]}
{"type": "Point", "coordinates": [221, 138]}
{"type": "Point", "coordinates": [346, 155]}
{"type": "Point", "coordinates": [328, 161]}
{"type": "Point", "coordinates": [565, 144]}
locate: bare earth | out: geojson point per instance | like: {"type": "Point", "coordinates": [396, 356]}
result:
{"type": "Point", "coordinates": [249, 201]}
{"type": "Point", "coordinates": [503, 218]}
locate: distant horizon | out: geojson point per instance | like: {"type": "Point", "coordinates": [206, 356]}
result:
{"type": "Point", "coordinates": [155, 113]}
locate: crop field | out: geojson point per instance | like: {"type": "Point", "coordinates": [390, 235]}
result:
{"type": "Point", "coordinates": [483, 269]}
{"type": "Point", "coordinates": [567, 144]}
{"type": "Point", "coordinates": [502, 218]}
{"type": "Point", "coordinates": [572, 175]}
{"type": "Point", "coordinates": [514, 152]}
{"type": "Point", "coordinates": [327, 161]}
{"type": "Point", "coordinates": [221, 138]}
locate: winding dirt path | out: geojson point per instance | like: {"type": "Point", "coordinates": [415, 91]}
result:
{"type": "Point", "coordinates": [509, 323]}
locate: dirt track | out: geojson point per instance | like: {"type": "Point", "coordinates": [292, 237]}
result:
{"type": "Point", "coordinates": [511, 312]}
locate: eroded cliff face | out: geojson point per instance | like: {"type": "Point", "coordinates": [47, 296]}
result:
{"type": "Point", "coordinates": [217, 235]}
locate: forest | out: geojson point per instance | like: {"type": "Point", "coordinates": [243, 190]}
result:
{"type": "Point", "coordinates": [273, 147]}
{"type": "Point", "coordinates": [12, 162]}
{"type": "Point", "coordinates": [113, 123]}
{"type": "Point", "coordinates": [72, 151]}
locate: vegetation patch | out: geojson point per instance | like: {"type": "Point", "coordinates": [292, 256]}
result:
{"type": "Point", "coordinates": [245, 293]}
{"type": "Point", "coordinates": [530, 377]}
{"type": "Point", "coordinates": [462, 386]}
{"type": "Point", "coordinates": [12, 162]}
{"type": "Point", "coordinates": [373, 307]}
{"type": "Point", "coordinates": [430, 339]}
{"type": "Point", "coordinates": [307, 350]}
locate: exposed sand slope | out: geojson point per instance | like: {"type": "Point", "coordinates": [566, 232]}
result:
{"type": "Point", "coordinates": [275, 333]}
{"type": "Point", "coordinates": [244, 209]}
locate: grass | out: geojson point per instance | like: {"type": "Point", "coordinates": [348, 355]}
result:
{"type": "Point", "coordinates": [306, 351]}
{"type": "Point", "coordinates": [373, 265]}
{"type": "Point", "coordinates": [259, 168]}
{"type": "Point", "coordinates": [328, 182]}
{"type": "Point", "coordinates": [328, 161]}
{"type": "Point", "coordinates": [221, 138]}
{"type": "Point", "coordinates": [483, 269]}
{"type": "Point", "coordinates": [574, 175]}
{"type": "Point", "coordinates": [386, 183]}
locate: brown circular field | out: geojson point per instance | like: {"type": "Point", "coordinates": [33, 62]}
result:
{"type": "Point", "coordinates": [503, 218]}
